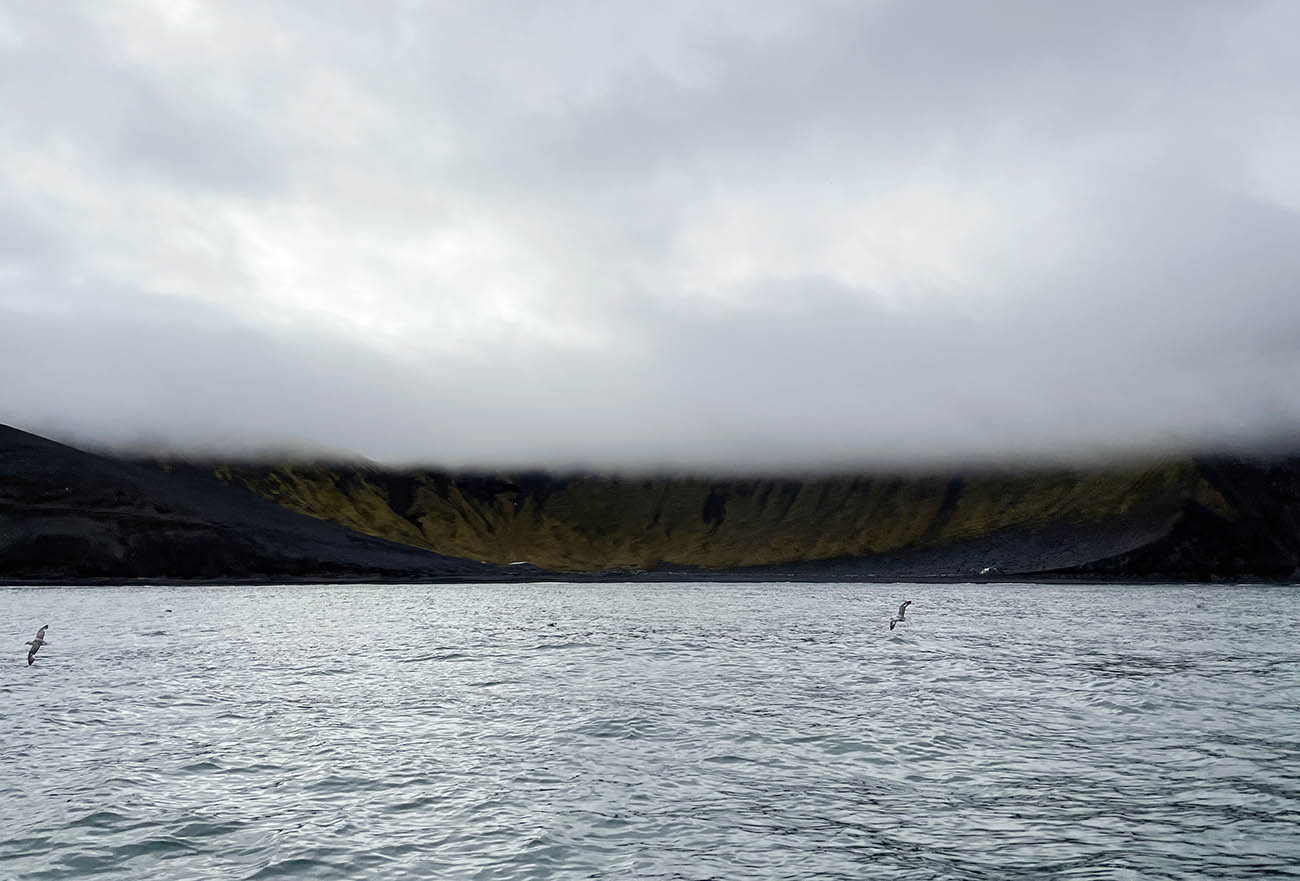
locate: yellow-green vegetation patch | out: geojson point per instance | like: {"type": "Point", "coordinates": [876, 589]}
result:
{"type": "Point", "coordinates": [598, 522]}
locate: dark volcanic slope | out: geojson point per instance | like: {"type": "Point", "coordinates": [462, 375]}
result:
{"type": "Point", "coordinates": [1256, 533]}
{"type": "Point", "coordinates": [68, 515]}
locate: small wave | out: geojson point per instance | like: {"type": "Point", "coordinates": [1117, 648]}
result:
{"type": "Point", "coordinates": [440, 656]}
{"type": "Point", "coordinates": [299, 867]}
{"type": "Point", "coordinates": [206, 829]}
{"type": "Point", "coordinates": [105, 820]}
{"type": "Point", "coordinates": [618, 729]}
{"type": "Point", "coordinates": [155, 846]}
{"type": "Point", "coordinates": [200, 766]}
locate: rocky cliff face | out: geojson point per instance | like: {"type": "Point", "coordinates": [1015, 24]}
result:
{"type": "Point", "coordinates": [1255, 533]}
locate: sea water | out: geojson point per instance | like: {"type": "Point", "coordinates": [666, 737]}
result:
{"type": "Point", "coordinates": [654, 731]}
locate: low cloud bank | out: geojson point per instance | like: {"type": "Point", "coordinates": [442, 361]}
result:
{"type": "Point", "coordinates": [889, 235]}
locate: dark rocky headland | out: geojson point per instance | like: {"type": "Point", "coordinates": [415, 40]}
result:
{"type": "Point", "coordinates": [73, 516]}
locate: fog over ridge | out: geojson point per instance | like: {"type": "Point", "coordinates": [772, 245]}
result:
{"type": "Point", "coordinates": [739, 236]}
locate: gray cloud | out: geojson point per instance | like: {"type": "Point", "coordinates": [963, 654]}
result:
{"type": "Point", "coordinates": [747, 236]}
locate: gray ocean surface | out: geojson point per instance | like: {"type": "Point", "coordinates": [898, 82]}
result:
{"type": "Point", "coordinates": [683, 731]}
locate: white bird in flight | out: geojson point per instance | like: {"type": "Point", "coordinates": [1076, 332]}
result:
{"type": "Point", "coordinates": [902, 613]}
{"type": "Point", "coordinates": [36, 645]}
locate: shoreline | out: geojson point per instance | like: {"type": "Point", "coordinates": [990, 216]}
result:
{"type": "Point", "coordinates": [644, 578]}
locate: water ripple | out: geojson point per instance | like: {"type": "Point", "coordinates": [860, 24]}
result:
{"type": "Point", "coordinates": [653, 731]}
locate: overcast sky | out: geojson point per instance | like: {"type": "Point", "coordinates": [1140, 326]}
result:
{"type": "Point", "coordinates": [675, 234]}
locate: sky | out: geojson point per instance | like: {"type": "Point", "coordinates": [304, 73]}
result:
{"type": "Point", "coordinates": [681, 235]}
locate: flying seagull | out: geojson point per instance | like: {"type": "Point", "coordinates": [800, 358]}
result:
{"type": "Point", "coordinates": [36, 645]}
{"type": "Point", "coordinates": [902, 613]}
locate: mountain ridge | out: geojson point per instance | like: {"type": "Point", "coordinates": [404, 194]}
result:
{"type": "Point", "coordinates": [67, 514]}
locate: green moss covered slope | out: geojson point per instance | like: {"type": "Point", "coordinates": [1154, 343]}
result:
{"type": "Point", "coordinates": [588, 523]}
